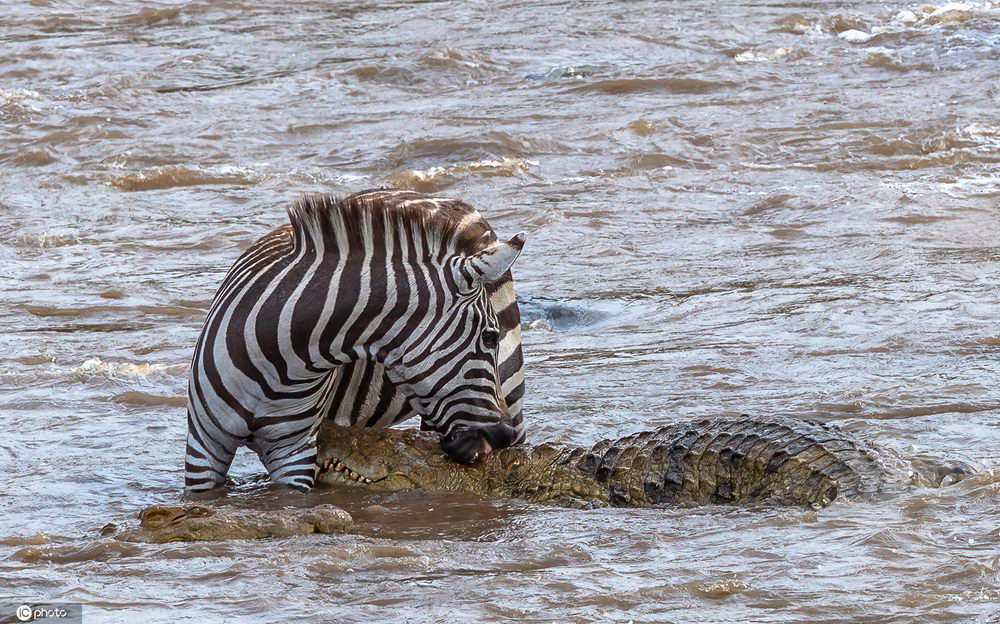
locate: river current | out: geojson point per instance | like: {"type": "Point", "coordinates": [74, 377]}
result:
{"type": "Point", "coordinates": [731, 207]}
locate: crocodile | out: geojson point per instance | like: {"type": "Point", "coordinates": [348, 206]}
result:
{"type": "Point", "coordinates": [737, 461]}
{"type": "Point", "coordinates": [159, 524]}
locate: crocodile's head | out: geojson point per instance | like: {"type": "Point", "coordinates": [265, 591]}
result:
{"type": "Point", "coordinates": [172, 523]}
{"type": "Point", "coordinates": [160, 524]}
{"type": "Point", "coordinates": [384, 459]}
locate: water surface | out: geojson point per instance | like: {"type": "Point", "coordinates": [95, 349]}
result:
{"type": "Point", "coordinates": [731, 207]}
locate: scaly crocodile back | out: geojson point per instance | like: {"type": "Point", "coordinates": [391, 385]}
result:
{"type": "Point", "coordinates": [744, 460]}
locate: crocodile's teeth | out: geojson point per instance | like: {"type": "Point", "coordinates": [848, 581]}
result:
{"type": "Point", "coordinates": [354, 476]}
{"type": "Point", "coordinates": [365, 480]}
{"type": "Point", "coordinates": [339, 466]}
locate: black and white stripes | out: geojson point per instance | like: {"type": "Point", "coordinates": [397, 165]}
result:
{"type": "Point", "coordinates": [368, 310]}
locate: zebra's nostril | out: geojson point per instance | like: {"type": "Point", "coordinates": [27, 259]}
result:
{"type": "Point", "coordinates": [468, 446]}
{"type": "Point", "coordinates": [464, 445]}
{"type": "Point", "coordinates": [499, 436]}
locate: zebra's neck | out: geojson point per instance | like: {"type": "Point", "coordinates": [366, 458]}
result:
{"type": "Point", "coordinates": [353, 299]}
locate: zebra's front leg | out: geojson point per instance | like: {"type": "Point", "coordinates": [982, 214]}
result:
{"type": "Point", "coordinates": [291, 462]}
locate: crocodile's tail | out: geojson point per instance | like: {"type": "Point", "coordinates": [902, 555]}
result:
{"type": "Point", "coordinates": [745, 460]}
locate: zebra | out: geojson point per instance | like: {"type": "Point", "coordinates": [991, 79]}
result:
{"type": "Point", "coordinates": [369, 310]}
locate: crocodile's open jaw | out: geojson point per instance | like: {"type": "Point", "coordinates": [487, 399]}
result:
{"type": "Point", "coordinates": [336, 468]}
{"type": "Point", "coordinates": [378, 459]}
{"type": "Point", "coordinates": [350, 456]}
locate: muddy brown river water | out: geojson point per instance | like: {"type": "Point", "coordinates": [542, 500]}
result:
{"type": "Point", "coordinates": [732, 207]}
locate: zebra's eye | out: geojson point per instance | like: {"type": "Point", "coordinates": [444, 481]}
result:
{"type": "Point", "coordinates": [491, 338]}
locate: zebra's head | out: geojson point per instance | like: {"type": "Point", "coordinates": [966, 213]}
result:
{"type": "Point", "coordinates": [450, 368]}
{"type": "Point", "coordinates": [414, 280]}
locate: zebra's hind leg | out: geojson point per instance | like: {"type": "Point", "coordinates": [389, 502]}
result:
{"type": "Point", "coordinates": [290, 462]}
{"type": "Point", "coordinates": [206, 466]}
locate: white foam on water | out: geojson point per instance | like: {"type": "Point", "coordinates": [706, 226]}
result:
{"type": "Point", "coordinates": [96, 367]}
{"type": "Point", "coordinates": [855, 36]}
{"type": "Point", "coordinates": [950, 12]}
{"type": "Point", "coordinates": [17, 95]}
{"type": "Point", "coordinates": [761, 56]}
{"type": "Point", "coordinates": [45, 240]}
{"type": "Point", "coordinates": [980, 130]}
{"type": "Point", "coordinates": [20, 100]}
{"type": "Point", "coordinates": [93, 369]}
{"type": "Point", "coordinates": [953, 6]}
{"type": "Point", "coordinates": [171, 176]}
{"type": "Point", "coordinates": [972, 186]}
{"type": "Point", "coordinates": [506, 166]}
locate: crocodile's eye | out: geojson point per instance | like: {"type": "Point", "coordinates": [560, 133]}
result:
{"type": "Point", "coordinates": [198, 511]}
{"type": "Point", "coordinates": [490, 338]}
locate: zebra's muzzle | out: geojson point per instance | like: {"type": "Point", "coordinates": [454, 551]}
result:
{"type": "Point", "coordinates": [468, 446]}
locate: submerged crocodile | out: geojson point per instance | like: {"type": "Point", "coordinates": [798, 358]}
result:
{"type": "Point", "coordinates": [160, 524]}
{"type": "Point", "coordinates": [774, 461]}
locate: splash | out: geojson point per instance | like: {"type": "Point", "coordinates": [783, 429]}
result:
{"type": "Point", "coordinates": [96, 367]}
{"type": "Point", "coordinates": [437, 178]}
{"type": "Point", "coordinates": [761, 56]}
{"type": "Point", "coordinates": [172, 176]}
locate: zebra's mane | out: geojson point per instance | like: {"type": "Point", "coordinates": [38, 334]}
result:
{"type": "Point", "coordinates": [449, 224]}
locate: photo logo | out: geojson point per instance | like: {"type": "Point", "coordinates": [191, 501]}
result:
{"type": "Point", "coordinates": [70, 612]}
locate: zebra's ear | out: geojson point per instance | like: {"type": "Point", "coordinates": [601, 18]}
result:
{"type": "Point", "coordinates": [490, 264]}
